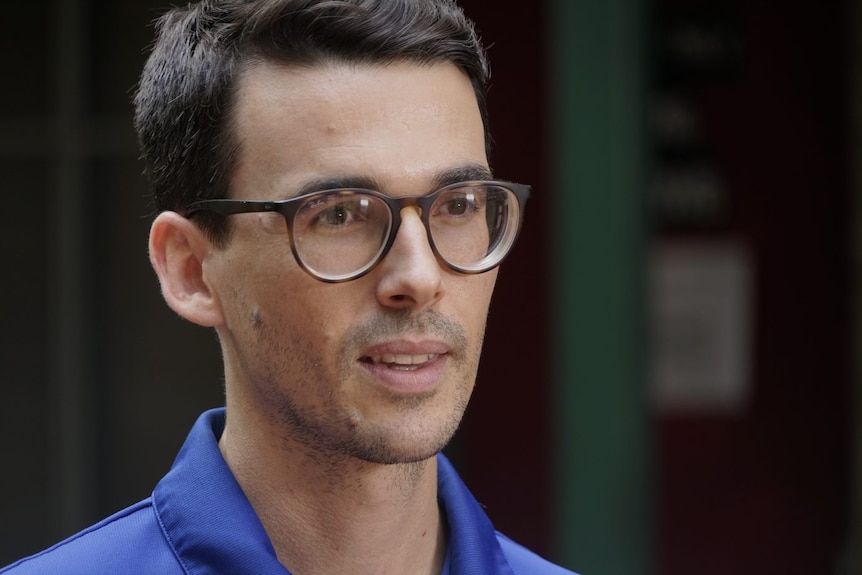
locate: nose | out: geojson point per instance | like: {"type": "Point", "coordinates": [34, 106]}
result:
{"type": "Point", "coordinates": [410, 275]}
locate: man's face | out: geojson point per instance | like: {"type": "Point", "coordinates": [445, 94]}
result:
{"type": "Point", "coordinates": [381, 367]}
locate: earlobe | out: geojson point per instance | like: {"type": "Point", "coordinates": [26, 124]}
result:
{"type": "Point", "coordinates": [177, 252]}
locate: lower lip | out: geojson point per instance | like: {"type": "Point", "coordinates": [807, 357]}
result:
{"type": "Point", "coordinates": [422, 379]}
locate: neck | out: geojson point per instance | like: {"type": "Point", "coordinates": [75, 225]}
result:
{"type": "Point", "coordinates": [334, 514]}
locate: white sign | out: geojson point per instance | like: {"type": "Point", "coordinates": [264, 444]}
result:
{"type": "Point", "coordinates": [700, 325]}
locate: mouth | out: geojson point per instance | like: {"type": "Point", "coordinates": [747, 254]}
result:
{"type": "Point", "coordinates": [401, 362]}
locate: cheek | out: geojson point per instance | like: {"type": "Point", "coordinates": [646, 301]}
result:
{"type": "Point", "coordinates": [473, 296]}
{"type": "Point", "coordinates": [477, 292]}
{"type": "Point", "coordinates": [310, 309]}
{"type": "Point", "coordinates": [253, 288]}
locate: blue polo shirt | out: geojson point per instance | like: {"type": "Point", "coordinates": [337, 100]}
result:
{"type": "Point", "coordinates": [199, 522]}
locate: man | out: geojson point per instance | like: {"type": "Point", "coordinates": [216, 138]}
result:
{"type": "Point", "coordinates": [326, 205]}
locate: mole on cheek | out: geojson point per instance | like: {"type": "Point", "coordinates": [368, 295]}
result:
{"type": "Point", "coordinates": [353, 420]}
{"type": "Point", "coordinates": [256, 320]}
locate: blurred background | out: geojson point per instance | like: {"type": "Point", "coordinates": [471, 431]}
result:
{"type": "Point", "coordinates": [671, 380]}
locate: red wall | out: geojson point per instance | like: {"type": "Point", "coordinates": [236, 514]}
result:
{"type": "Point", "coordinates": [506, 439]}
{"type": "Point", "coordinates": [763, 490]}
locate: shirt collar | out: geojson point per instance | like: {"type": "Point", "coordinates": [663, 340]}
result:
{"type": "Point", "coordinates": [204, 513]}
{"type": "Point", "coordinates": [208, 520]}
{"type": "Point", "coordinates": [473, 546]}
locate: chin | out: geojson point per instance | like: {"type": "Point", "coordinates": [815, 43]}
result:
{"type": "Point", "coordinates": [384, 449]}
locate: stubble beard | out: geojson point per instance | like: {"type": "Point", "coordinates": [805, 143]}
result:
{"type": "Point", "coordinates": [326, 433]}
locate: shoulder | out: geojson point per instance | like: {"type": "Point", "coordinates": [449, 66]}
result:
{"type": "Point", "coordinates": [130, 542]}
{"type": "Point", "coordinates": [525, 562]}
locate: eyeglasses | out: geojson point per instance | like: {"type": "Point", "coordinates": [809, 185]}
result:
{"type": "Point", "coordinates": [340, 235]}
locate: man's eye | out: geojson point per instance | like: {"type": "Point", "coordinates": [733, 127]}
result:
{"type": "Point", "coordinates": [332, 212]}
{"type": "Point", "coordinates": [457, 206]}
{"type": "Point", "coordinates": [338, 215]}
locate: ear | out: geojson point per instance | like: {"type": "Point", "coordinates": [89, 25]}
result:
{"type": "Point", "coordinates": [177, 252]}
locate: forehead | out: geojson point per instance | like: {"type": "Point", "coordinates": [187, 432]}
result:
{"type": "Point", "coordinates": [388, 122]}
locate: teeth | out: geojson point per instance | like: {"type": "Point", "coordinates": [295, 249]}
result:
{"type": "Point", "coordinates": [393, 359]}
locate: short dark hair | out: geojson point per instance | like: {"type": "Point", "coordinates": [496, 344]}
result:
{"type": "Point", "coordinates": [186, 95]}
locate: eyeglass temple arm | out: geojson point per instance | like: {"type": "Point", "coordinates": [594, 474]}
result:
{"type": "Point", "coordinates": [228, 207]}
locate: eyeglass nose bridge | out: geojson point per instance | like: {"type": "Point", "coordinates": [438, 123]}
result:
{"type": "Point", "coordinates": [396, 206]}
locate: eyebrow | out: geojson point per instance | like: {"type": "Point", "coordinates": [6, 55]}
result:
{"type": "Point", "coordinates": [463, 173]}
